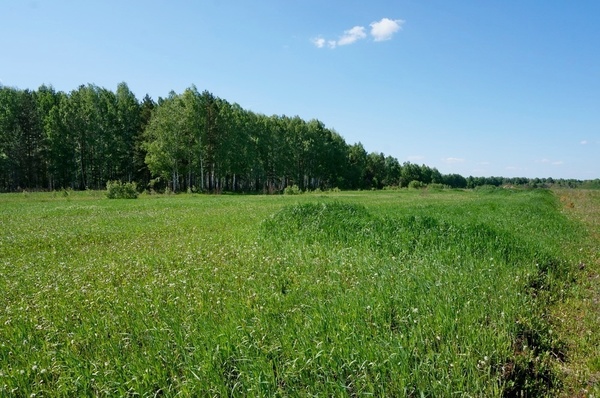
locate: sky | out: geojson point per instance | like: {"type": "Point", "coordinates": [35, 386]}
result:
{"type": "Point", "coordinates": [484, 88]}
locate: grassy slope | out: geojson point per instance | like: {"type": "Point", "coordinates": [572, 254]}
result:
{"type": "Point", "coordinates": [392, 293]}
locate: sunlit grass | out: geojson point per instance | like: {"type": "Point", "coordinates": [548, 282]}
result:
{"type": "Point", "coordinates": [577, 318]}
{"type": "Point", "coordinates": [388, 293]}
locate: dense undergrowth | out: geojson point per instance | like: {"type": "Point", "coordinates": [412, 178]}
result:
{"type": "Point", "coordinates": [391, 294]}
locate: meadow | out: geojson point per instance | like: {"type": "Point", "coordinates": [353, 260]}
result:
{"type": "Point", "coordinates": [388, 293]}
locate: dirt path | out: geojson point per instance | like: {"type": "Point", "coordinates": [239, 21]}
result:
{"type": "Point", "coordinates": [577, 319]}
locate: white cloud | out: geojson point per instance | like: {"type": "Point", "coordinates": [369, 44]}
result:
{"type": "Point", "coordinates": [319, 42]}
{"type": "Point", "coordinates": [558, 163]}
{"type": "Point", "coordinates": [384, 29]}
{"type": "Point", "coordinates": [453, 160]}
{"type": "Point", "coordinates": [380, 31]}
{"type": "Point", "coordinates": [352, 35]}
{"type": "Point", "coordinates": [584, 142]}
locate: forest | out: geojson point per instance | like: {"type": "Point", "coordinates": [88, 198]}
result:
{"type": "Point", "coordinates": [193, 141]}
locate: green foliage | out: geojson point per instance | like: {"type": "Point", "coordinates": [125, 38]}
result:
{"type": "Point", "coordinates": [487, 188]}
{"type": "Point", "coordinates": [591, 184]}
{"type": "Point", "coordinates": [80, 139]}
{"type": "Point", "coordinates": [292, 190]}
{"type": "Point", "coordinates": [414, 184]}
{"type": "Point", "coordinates": [437, 186]}
{"type": "Point", "coordinates": [120, 190]}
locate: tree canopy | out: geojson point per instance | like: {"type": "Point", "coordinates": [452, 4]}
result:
{"type": "Point", "coordinates": [189, 141]}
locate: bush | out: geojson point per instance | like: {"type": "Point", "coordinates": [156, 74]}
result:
{"type": "Point", "coordinates": [293, 190]}
{"type": "Point", "coordinates": [437, 186]}
{"type": "Point", "coordinates": [119, 190]}
{"type": "Point", "coordinates": [414, 184]}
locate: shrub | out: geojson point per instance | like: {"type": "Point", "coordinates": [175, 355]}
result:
{"type": "Point", "coordinates": [414, 184]}
{"type": "Point", "coordinates": [292, 190]}
{"type": "Point", "coordinates": [120, 190]}
{"type": "Point", "coordinates": [437, 186]}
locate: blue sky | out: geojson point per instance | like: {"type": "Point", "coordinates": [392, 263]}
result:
{"type": "Point", "coordinates": [482, 88]}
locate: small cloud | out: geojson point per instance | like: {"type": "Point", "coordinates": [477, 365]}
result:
{"type": "Point", "coordinates": [380, 31]}
{"type": "Point", "coordinates": [453, 160]}
{"type": "Point", "coordinates": [352, 35]}
{"type": "Point", "coordinates": [319, 42]}
{"type": "Point", "coordinates": [384, 29]}
{"type": "Point", "coordinates": [584, 142]}
{"type": "Point", "coordinates": [544, 160]}
{"type": "Point", "coordinates": [484, 163]}
{"type": "Point", "coordinates": [558, 163]}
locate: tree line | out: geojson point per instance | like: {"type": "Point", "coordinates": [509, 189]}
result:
{"type": "Point", "coordinates": [194, 140]}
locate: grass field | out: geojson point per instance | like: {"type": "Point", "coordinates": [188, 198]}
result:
{"type": "Point", "coordinates": [390, 293]}
{"type": "Point", "coordinates": [577, 318]}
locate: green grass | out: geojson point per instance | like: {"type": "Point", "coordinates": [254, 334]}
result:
{"type": "Point", "coordinates": [577, 317]}
{"type": "Point", "coordinates": [397, 293]}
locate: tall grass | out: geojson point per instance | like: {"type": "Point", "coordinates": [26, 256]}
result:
{"type": "Point", "coordinates": [391, 294]}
